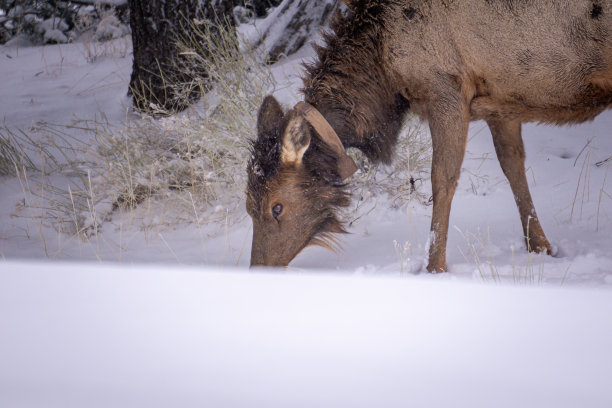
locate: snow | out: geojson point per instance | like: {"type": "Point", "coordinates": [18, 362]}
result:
{"type": "Point", "coordinates": [273, 28]}
{"type": "Point", "coordinates": [53, 24]}
{"type": "Point", "coordinates": [115, 3]}
{"type": "Point", "coordinates": [110, 27]}
{"type": "Point", "coordinates": [53, 30]}
{"type": "Point", "coordinates": [119, 320]}
{"type": "Point", "coordinates": [154, 336]}
{"type": "Point", "coordinates": [55, 36]}
{"type": "Point", "coordinates": [55, 83]}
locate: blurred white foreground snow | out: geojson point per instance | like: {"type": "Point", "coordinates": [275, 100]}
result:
{"type": "Point", "coordinates": [81, 335]}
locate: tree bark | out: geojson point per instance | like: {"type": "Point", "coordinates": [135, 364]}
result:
{"type": "Point", "coordinates": [156, 27]}
{"type": "Point", "coordinates": [294, 23]}
{"type": "Point", "coordinates": [260, 7]}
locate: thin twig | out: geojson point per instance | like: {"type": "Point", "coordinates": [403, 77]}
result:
{"type": "Point", "coordinates": [602, 162]}
{"type": "Point", "coordinates": [583, 149]}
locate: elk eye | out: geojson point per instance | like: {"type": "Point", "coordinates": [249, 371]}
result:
{"type": "Point", "coordinates": [277, 210]}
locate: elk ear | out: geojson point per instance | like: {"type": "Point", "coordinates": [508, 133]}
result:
{"type": "Point", "coordinates": [269, 118]}
{"type": "Point", "coordinates": [296, 141]}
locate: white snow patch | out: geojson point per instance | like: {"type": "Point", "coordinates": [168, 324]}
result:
{"type": "Point", "coordinates": [55, 36]}
{"type": "Point", "coordinates": [123, 336]}
{"type": "Point", "coordinates": [110, 28]}
{"type": "Point", "coordinates": [52, 24]}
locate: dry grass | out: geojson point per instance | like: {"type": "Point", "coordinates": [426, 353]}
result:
{"type": "Point", "coordinates": [93, 49]}
{"type": "Point", "coordinates": [12, 156]}
{"type": "Point", "coordinates": [400, 182]}
{"type": "Point", "coordinates": [583, 194]}
{"type": "Point", "coordinates": [480, 252]}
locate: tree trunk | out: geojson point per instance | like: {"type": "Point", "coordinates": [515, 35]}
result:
{"type": "Point", "coordinates": [294, 23]}
{"type": "Point", "coordinates": [157, 26]}
{"type": "Point", "coordinates": [260, 7]}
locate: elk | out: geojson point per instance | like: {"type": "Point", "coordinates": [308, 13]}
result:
{"type": "Point", "coordinates": [448, 61]}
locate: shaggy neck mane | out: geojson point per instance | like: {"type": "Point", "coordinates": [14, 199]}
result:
{"type": "Point", "coordinates": [351, 86]}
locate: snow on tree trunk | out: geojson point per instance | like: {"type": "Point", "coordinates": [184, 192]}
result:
{"type": "Point", "coordinates": [292, 24]}
{"type": "Point", "coordinates": [156, 27]}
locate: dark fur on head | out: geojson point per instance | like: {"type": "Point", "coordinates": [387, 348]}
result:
{"type": "Point", "coordinates": [265, 151]}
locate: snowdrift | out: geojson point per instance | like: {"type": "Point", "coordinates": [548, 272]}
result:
{"type": "Point", "coordinates": [118, 336]}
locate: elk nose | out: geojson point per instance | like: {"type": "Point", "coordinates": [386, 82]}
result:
{"type": "Point", "coordinates": [269, 265]}
{"type": "Point", "coordinates": [258, 260]}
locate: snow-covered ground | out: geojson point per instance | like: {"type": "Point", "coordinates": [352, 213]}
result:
{"type": "Point", "coordinates": [87, 335]}
{"type": "Point", "coordinates": [365, 327]}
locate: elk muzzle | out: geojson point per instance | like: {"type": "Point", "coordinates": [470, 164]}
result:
{"type": "Point", "coordinates": [263, 251]}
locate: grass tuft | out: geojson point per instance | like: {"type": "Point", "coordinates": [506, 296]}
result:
{"type": "Point", "coordinates": [12, 155]}
{"type": "Point", "coordinates": [481, 253]}
{"type": "Point", "coordinates": [403, 179]}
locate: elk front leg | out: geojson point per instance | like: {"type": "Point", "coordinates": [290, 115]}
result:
{"type": "Point", "coordinates": [449, 128]}
{"type": "Point", "coordinates": [511, 154]}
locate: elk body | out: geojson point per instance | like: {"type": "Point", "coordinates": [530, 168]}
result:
{"type": "Point", "coordinates": [450, 62]}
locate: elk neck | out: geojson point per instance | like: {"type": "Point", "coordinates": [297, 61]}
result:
{"type": "Point", "coordinates": [354, 89]}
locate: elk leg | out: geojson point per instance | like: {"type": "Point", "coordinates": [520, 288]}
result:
{"type": "Point", "coordinates": [449, 128]}
{"type": "Point", "coordinates": [511, 154]}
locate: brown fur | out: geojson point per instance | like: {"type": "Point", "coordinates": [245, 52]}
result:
{"type": "Point", "coordinates": [449, 61]}
{"type": "Point", "coordinates": [311, 192]}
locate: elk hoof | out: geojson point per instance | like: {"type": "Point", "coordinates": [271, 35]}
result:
{"type": "Point", "coordinates": [539, 245]}
{"type": "Point", "coordinates": [436, 267]}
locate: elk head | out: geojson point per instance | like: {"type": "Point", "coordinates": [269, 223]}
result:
{"type": "Point", "coordinates": [295, 183]}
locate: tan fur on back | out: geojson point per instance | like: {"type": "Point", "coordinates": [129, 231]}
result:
{"type": "Point", "coordinates": [537, 60]}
